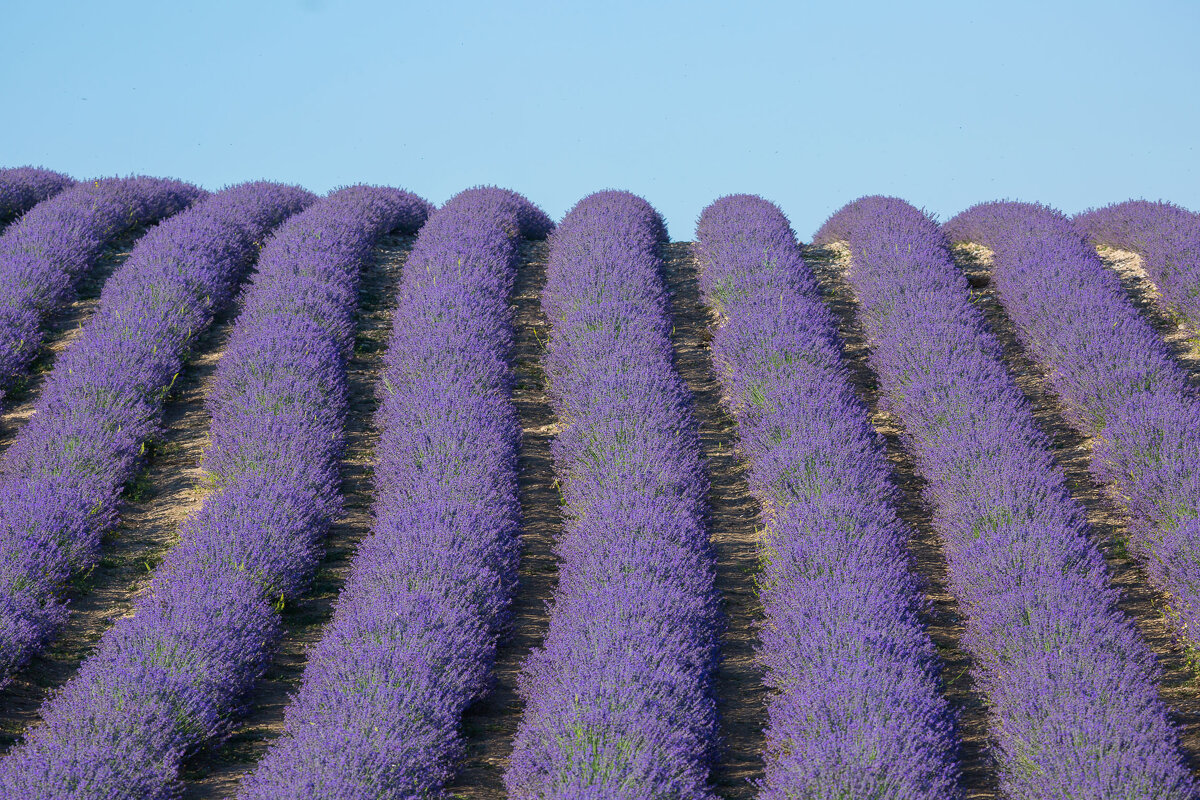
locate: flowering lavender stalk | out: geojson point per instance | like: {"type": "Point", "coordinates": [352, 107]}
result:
{"type": "Point", "coordinates": [1116, 376]}
{"type": "Point", "coordinates": [1167, 238]}
{"type": "Point", "coordinates": [45, 253]}
{"type": "Point", "coordinates": [61, 479]}
{"type": "Point", "coordinates": [619, 701]}
{"type": "Point", "coordinates": [1075, 713]}
{"type": "Point", "coordinates": [21, 188]}
{"type": "Point", "coordinates": [170, 677]}
{"type": "Point", "coordinates": [413, 636]}
{"type": "Point", "coordinates": [857, 709]}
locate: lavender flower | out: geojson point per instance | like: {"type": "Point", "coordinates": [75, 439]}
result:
{"type": "Point", "coordinates": [1075, 713]}
{"type": "Point", "coordinates": [45, 253]}
{"type": "Point", "coordinates": [22, 188]}
{"type": "Point", "coordinates": [619, 697]}
{"type": "Point", "coordinates": [172, 675]}
{"type": "Point", "coordinates": [1115, 375]}
{"type": "Point", "coordinates": [856, 709]}
{"type": "Point", "coordinates": [414, 633]}
{"type": "Point", "coordinates": [62, 478]}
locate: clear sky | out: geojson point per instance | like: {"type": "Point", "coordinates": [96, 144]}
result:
{"type": "Point", "coordinates": [809, 104]}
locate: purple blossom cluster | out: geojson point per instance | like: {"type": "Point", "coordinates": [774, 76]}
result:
{"type": "Point", "coordinates": [1075, 712]}
{"type": "Point", "coordinates": [61, 479]}
{"type": "Point", "coordinates": [857, 709]}
{"type": "Point", "coordinates": [21, 188]}
{"type": "Point", "coordinates": [1167, 238]}
{"type": "Point", "coordinates": [414, 632]}
{"type": "Point", "coordinates": [619, 697]}
{"type": "Point", "coordinates": [1116, 376]}
{"type": "Point", "coordinates": [170, 677]}
{"type": "Point", "coordinates": [45, 253]}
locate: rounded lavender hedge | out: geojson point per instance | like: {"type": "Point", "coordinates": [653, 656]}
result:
{"type": "Point", "coordinates": [856, 709]}
{"type": "Point", "coordinates": [1116, 376]}
{"type": "Point", "coordinates": [414, 632]}
{"type": "Point", "coordinates": [1075, 712]}
{"type": "Point", "coordinates": [22, 188]}
{"type": "Point", "coordinates": [1167, 238]}
{"type": "Point", "coordinates": [172, 675]}
{"type": "Point", "coordinates": [61, 479]}
{"type": "Point", "coordinates": [619, 701]}
{"type": "Point", "coordinates": [45, 253]}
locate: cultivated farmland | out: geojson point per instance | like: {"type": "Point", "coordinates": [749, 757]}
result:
{"type": "Point", "coordinates": [359, 497]}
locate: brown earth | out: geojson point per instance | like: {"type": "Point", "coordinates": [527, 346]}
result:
{"type": "Point", "coordinates": [733, 530]}
{"type": "Point", "coordinates": [161, 496]}
{"type": "Point", "coordinates": [490, 725]}
{"type": "Point", "coordinates": [1182, 338]}
{"type": "Point", "coordinates": [216, 771]}
{"type": "Point", "coordinates": [1107, 518]}
{"type": "Point", "coordinates": [945, 622]}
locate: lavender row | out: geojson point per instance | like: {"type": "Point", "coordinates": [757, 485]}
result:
{"type": "Point", "coordinates": [1167, 238]}
{"type": "Point", "coordinates": [414, 632]}
{"type": "Point", "coordinates": [1074, 708]}
{"type": "Point", "coordinates": [1116, 376]}
{"type": "Point", "coordinates": [45, 253]}
{"type": "Point", "coordinates": [21, 188]}
{"type": "Point", "coordinates": [62, 478]}
{"type": "Point", "coordinates": [857, 709]}
{"type": "Point", "coordinates": [619, 702]}
{"type": "Point", "coordinates": [170, 677]}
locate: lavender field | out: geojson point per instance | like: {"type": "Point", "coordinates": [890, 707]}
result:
{"type": "Point", "coordinates": [354, 496]}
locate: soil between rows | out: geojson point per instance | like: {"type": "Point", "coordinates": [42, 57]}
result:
{"type": "Point", "coordinates": [733, 530]}
{"type": "Point", "coordinates": [490, 725]}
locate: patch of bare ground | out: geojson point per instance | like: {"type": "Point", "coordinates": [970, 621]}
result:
{"type": "Point", "coordinates": [1181, 337]}
{"type": "Point", "coordinates": [61, 329]}
{"type": "Point", "coordinates": [945, 621]}
{"type": "Point", "coordinates": [216, 771]}
{"type": "Point", "coordinates": [155, 503]}
{"type": "Point", "coordinates": [490, 725]}
{"type": "Point", "coordinates": [733, 527]}
{"type": "Point", "coordinates": [1107, 518]}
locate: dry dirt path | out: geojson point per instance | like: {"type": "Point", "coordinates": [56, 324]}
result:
{"type": "Point", "coordinates": [1108, 520]}
{"type": "Point", "coordinates": [945, 623]}
{"type": "Point", "coordinates": [733, 531]}
{"type": "Point", "coordinates": [216, 771]}
{"type": "Point", "coordinates": [490, 725]}
{"type": "Point", "coordinates": [155, 503]}
{"type": "Point", "coordinates": [1181, 337]}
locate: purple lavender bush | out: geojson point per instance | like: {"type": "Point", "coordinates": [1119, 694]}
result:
{"type": "Point", "coordinates": [1071, 686]}
{"type": "Point", "coordinates": [856, 709]}
{"type": "Point", "coordinates": [171, 676]}
{"type": "Point", "coordinates": [414, 632]}
{"type": "Point", "coordinates": [22, 188]}
{"type": "Point", "coordinates": [45, 253]}
{"type": "Point", "coordinates": [619, 701]}
{"type": "Point", "coordinates": [1115, 375]}
{"type": "Point", "coordinates": [1167, 238]}
{"type": "Point", "coordinates": [61, 479]}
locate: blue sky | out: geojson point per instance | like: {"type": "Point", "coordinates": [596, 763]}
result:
{"type": "Point", "coordinates": [808, 104]}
